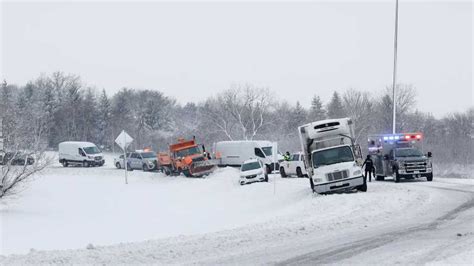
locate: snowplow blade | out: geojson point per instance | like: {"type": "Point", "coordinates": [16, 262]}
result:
{"type": "Point", "coordinates": [201, 168]}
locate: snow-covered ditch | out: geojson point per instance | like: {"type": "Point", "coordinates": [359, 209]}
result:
{"type": "Point", "coordinates": [70, 208]}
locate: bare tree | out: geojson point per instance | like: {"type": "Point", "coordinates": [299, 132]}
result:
{"type": "Point", "coordinates": [358, 106]}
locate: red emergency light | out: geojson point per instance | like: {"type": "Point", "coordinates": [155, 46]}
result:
{"type": "Point", "coordinates": [417, 136]}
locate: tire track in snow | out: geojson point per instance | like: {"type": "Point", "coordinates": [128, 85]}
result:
{"type": "Point", "coordinates": [348, 250]}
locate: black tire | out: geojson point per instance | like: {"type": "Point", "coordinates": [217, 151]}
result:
{"type": "Point", "coordinates": [117, 164]}
{"type": "Point", "coordinates": [362, 188]}
{"type": "Point", "coordinates": [429, 178]}
{"type": "Point", "coordinates": [65, 163]}
{"type": "Point", "coordinates": [299, 173]}
{"type": "Point", "coordinates": [396, 176]}
{"type": "Point", "coordinates": [282, 172]}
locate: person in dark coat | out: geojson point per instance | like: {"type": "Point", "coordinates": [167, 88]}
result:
{"type": "Point", "coordinates": [369, 168]}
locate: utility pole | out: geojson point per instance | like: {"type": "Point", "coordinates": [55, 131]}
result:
{"type": "Point", "coordinates": [394, 99]}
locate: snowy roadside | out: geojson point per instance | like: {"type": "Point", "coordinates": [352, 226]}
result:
{"type": "Point", "coordinates": [197, 220]}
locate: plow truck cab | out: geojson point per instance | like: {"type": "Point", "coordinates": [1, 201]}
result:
{"type": "Point", "coordinates": [332, 158]}
{"type": "Point", "coordinates": [186, 157]}
{"type": "Point", "coordinates": [400, 156]}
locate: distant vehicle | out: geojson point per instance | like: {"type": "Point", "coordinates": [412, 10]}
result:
{"type": "Point", "coordinates": [332, 158]}
{"type": "Point", "coordinates": [142, 159]}
{"type": "Point", "coordinates": [16, 158]}
{"type": "Point", "coordinates": [186, 157]}
{"type": "Point", "coordinates": [253, 170]}
{"type": "Point", "coordinates": [400, 155]}
{"type": "Point", "coordinates": [80, 153]}
{"type": "Point", "coordinates": [235, 153]}
{"type": "Point", "coordinates": [295, 166]}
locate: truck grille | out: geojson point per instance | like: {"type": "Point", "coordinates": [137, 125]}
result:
{"type": "Point", "coordinates": [415, 166]}
{"type": "Point", "coordinates": [251, 176]}
{"type": "Point", "coordinates": [337, 175]}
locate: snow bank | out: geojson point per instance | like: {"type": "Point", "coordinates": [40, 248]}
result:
{"type": "Point", "coordinates": [454, 170]}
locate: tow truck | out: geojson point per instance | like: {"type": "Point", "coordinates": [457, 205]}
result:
{"type": "Point", "coordinates": [400, 156]}
{"type": "Point", "coordinates": [186, 157]}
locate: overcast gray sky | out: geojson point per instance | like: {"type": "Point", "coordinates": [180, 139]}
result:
{"type": "Point", "coordinates": [190, 50]}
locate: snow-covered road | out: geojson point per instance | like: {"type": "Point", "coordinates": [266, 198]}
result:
{"type": "Point", "coordinates": [216, 221]}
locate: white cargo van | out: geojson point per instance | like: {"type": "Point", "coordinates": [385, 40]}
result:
{"type": "Point", "coordinates": [82, 153]}
{"type": "Point", "coordinates": [235, 153]}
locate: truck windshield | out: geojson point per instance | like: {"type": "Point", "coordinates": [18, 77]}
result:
{"type": "Point", "coordinates": [91, 150]}
{"type": "Point", "coordinates": [408, 153]}
{"type": "Point", "coordinates": [332, 156]}
{"type": "Point", "coordinates": [187, 152]}
{"type": "Point", "coordinates": [267, 151]}
{"type": "Point", "coordinates": [148, 155]}
{"type": "Point", "coordinates": [250, 166]}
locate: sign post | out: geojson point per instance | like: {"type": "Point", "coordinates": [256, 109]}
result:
{"type": "Point", "coordinates": [123, 140]}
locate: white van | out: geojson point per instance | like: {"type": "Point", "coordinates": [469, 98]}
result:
{"type": "Point", "coordinates": [235, 153]}
{"type": "Point", "coordinates": [82, 153]}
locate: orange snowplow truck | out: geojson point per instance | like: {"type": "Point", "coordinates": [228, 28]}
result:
{"type": "Point", "coordinates": [186, 157]}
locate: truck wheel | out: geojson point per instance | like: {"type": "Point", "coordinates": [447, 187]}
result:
{"type": "Point", "coordinates": [118, 165]}
{"type": "Point", "coordinates": [85, 164]}
{"type": "Point", "coordinates": [282, 172]}
{"type": "Point", "coordinates": [429, 178]}
{"type": "Point", "coordinates": [362, 188]}
{"type": "Point", "coordinates": [298, 172]}
{"type": "Point", "coordinates": [65, 163]}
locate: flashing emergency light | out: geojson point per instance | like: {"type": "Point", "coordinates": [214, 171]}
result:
{"type": "Point", "coordinates": [418, 136]}
{"type": "Point", "coordinates": [385, 138]}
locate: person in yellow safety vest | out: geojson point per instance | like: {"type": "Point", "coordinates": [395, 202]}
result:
{"type": "Point", "coordinates": [287, 156]}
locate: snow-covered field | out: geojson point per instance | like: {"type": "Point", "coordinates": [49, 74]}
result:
{"type": "Point", "coordinates": [160, 219]}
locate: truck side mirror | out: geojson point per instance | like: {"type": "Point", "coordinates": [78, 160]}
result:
{"type": "Point", "coordinates": [429, 154]}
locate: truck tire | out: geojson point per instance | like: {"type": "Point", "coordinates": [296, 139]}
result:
{"type": "Point", "coordinates": [429, 178]}
{"type": "Point", "coordinates": [299, 173]}
{"type": "Point", "coordinates": [118, 165]}
{"type": "Point", "coordinates": [362, 188]}
{"type": "Point", "coordinates": [282, 172]}
{"type": "Point", "coordinates": [65, 163]}
{"type": "Point", "coordinates": [380, 178]}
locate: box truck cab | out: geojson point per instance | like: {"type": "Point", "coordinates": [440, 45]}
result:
{"type": "Point", "coordinates": [80, 153]}
{"type": "Point", "coordinates": [235, 153]}
{"type": "Point", "coordinates": [332, 158]}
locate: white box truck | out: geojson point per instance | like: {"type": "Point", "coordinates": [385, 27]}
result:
{"type": "Point", "coordinates": [80, 153]}
{"type": "Point", "coordinates": [235, 153]}
{"type": "Point", "coordinates": [332, 158]}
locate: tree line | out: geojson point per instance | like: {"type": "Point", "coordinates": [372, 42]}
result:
{"type": "Point", "coordinates": [60, 107]}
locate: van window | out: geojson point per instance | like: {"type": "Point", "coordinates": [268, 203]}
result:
{"type": "Point", "coordinates": [296, 157]}
{"type": "Point", "coordinates": [267, 151]}
{"type": "Point", "coordinates": [92, 150]}
{"type": "Point", "coordinates": [259, 153]}
{"type": "Point", "coordinates": [81, 152]}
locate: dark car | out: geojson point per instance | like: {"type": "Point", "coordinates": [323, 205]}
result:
{"type": "Point", "coordinates": [16, 158]}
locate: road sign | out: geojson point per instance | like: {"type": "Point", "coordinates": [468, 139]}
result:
{"type": "Point", "coordinates": [123, 140]}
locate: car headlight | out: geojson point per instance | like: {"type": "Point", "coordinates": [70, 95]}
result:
{"type": "Point", "coordinates": [317, 180]}
{"type": "Point", "coordinates": [357, 172]}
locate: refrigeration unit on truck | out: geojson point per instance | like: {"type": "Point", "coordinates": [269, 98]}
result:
{"type": "Point", "coordinates": [235, 153]}
{"type": "Point", "coordinates": [80, 153]}
{"type": "Point", "coordinates": [332, 158]}
{"type": "Point", "coordinates": [400, 156]}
